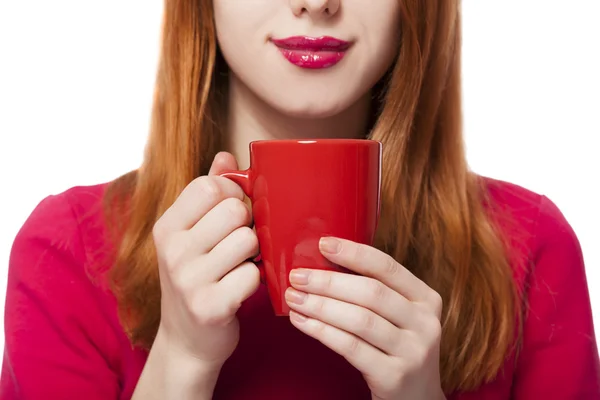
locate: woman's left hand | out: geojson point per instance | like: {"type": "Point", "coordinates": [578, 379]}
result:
{"type": "Point", "coordinates": [386, 323]}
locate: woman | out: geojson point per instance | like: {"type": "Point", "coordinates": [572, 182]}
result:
{"type": "Point", "coordinates": [475, 288]}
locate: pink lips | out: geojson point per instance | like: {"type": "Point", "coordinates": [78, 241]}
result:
{"type": "Point", "coordinates": [312, 52]}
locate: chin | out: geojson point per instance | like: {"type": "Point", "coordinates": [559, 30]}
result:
{"type": "Point", "coordinates": [309, 109]}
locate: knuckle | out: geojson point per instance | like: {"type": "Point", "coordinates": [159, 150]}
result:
{"type": "Point", "coordinates": [317, 305]}
{"type": "Point", "coordinates": [367, 322]}
{"type": "Point", "coordinates": [397, 370]}
{"type": "Point", "coordinates": [159, 231]}
{"type": "Point", "coordinates": [437, 303]}
{"type": "Point", "coordinates": [185, 287]}
{"type": "Point", "coordinates": [253, 273]}
{"type": "Point", "coordinates": [427, 343]}
{"type": "Point", "coordinates": [326, 281]}
{"type": "Point", "coordinates": [247, 235]}
{"type": "Point", "coordinates": [358, 252]}
{"type": "Point", "coordinates": [319, 329]}
{"type": "Point", "coordinates": [171, 254]}
{"type": "Point", "coordinates": [421, 356]}
{"type": "Point", "coordinates": [211, 318]}
{"type": "Point", "coordinates": [391, 267]}
{"type": "Point", "coordinates": [434, 329]}
{"type": "Point", "coordinates": [208, 188]}
{"type": "Point", "coordinates": [212, 313]}
{"type": "Point", "coordinates": [430, 326]}
{"type": "Point", "coordinates": [179, 283]}
{"type": "Point", "coordinates": [232, 188]}
{"type": "Point", "coordinates": [352, 346]}
{"type": "Point", "coordinates": [237, 210]}
{"type": "Point", "coordinates": [377, 291]}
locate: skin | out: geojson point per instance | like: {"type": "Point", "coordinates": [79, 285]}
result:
{"type": "Point", "coordinates": [384, 321]}
{"type": "Point", "coordinates": [272, 99]}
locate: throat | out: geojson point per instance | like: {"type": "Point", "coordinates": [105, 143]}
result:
{"type": "Point", "coordinates": [250, 118]}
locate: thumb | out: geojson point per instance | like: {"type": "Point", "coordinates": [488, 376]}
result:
{"type": "Point", "coordinates": [223, 162]}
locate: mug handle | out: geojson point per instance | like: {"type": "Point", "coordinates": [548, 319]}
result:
{"type": "Point", "coordinates": [243, 179]}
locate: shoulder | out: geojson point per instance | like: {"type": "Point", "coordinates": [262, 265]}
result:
{"type": "Point", "coordinates": [509, 196]}
{"type": "Point", "coordinates": [68, 226]}
{"type": "Point", "coordinates": [538, 212]}
{"type": "Point", "coordinates": [531, 222]}
{"type": "Point", "coordinates": [67, 205]}
{"type": "Point", "coordinates": [64, 214]}
{"type": "Point", "coordinates": [55, 308]}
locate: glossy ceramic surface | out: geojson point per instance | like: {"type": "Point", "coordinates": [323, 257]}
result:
{"type": "Point", "coordinates": [304, 190]}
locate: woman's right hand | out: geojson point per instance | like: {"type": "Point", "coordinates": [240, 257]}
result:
{"type": "Point", "coordinates": [203, 242]}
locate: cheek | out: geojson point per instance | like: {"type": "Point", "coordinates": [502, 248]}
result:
{"type": "Point", "coordinates": [241, 27]}
{"type": "Point", "coordinates": [229, 21]}
{"type": "Point", "coordinates": [249, 17]}
{"type": "Point", "coordinates": [384, 37]}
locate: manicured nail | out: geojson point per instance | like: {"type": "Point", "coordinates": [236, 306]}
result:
{"type": "Point", "coordinates": [294, 296]}
{"type": "Point", "coordinates": [294, 316]}
{"type": "Point", "coordinates": [330, 245]}
{"type": "Point", "coordinates": [299, 276]}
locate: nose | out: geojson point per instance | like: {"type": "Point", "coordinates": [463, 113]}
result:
{"type": "Point", "coordinates": [316, 8]}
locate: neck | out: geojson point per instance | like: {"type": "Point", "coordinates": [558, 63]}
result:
{"type": "Point", "coordinates": [249, 119]}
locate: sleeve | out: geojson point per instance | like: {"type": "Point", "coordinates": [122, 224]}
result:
{"type": "Point", "coordinates": [559, 354]}
{"type": "Point", "coordinates": [53, 323]}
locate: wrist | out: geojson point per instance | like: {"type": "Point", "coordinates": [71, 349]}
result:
{"type": "Point", "coordinates": [173, 349]}
{"type": "Point", "coordinates": [182, 370]}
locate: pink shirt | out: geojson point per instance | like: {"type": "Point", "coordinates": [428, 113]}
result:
{"type": "Point", "coordinates": [64, 340]}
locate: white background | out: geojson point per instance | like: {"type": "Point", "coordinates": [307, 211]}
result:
{"type": "Point", "coordinates": [76, 82]}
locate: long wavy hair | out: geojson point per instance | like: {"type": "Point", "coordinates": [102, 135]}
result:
{"type": "Point", "coordinates": [434, 218]}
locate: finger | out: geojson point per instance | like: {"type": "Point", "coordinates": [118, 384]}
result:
{"type": "Point", "coordinates": [351, 318]}
{"type": "Point", "coordinates": [241, 283]}
{"type": "Point", "coordinates": [223, 162]}
{"type": "Point", "coordinates": [361, 291]}
{"type": "Point", "coordinates": [356, 351]}
{"type": "Point", "coordinates": [199, 197]}
{"type": "Point", "coordinates": [232, 251]}
{"type": "Point", "coordinates": [219, 222]}
{"type": "Point", "coordinates": [371, 262]}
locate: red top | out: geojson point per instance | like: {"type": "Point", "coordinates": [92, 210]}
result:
{"type": "Point", "coordinates": [64, 341]}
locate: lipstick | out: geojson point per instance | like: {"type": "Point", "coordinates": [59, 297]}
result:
{"type": "Point", "coordinates": [312, 52]}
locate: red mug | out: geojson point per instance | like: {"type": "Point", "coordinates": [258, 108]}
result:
{"type": "Point", "coordinates": [302, 190]}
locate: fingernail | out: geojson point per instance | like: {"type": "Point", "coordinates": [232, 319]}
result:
{"type": "Point", "coordinates": [294, 296]}
{"type": "Point", "coordinates": [294, 316]}
{"type": "Point", "coordinates": [299, 276]}
{"type": "Point", "coordinates": [330, 245]}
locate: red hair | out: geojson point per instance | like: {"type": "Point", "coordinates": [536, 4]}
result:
{"type": "Point", "coordinates": [433, 218]}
